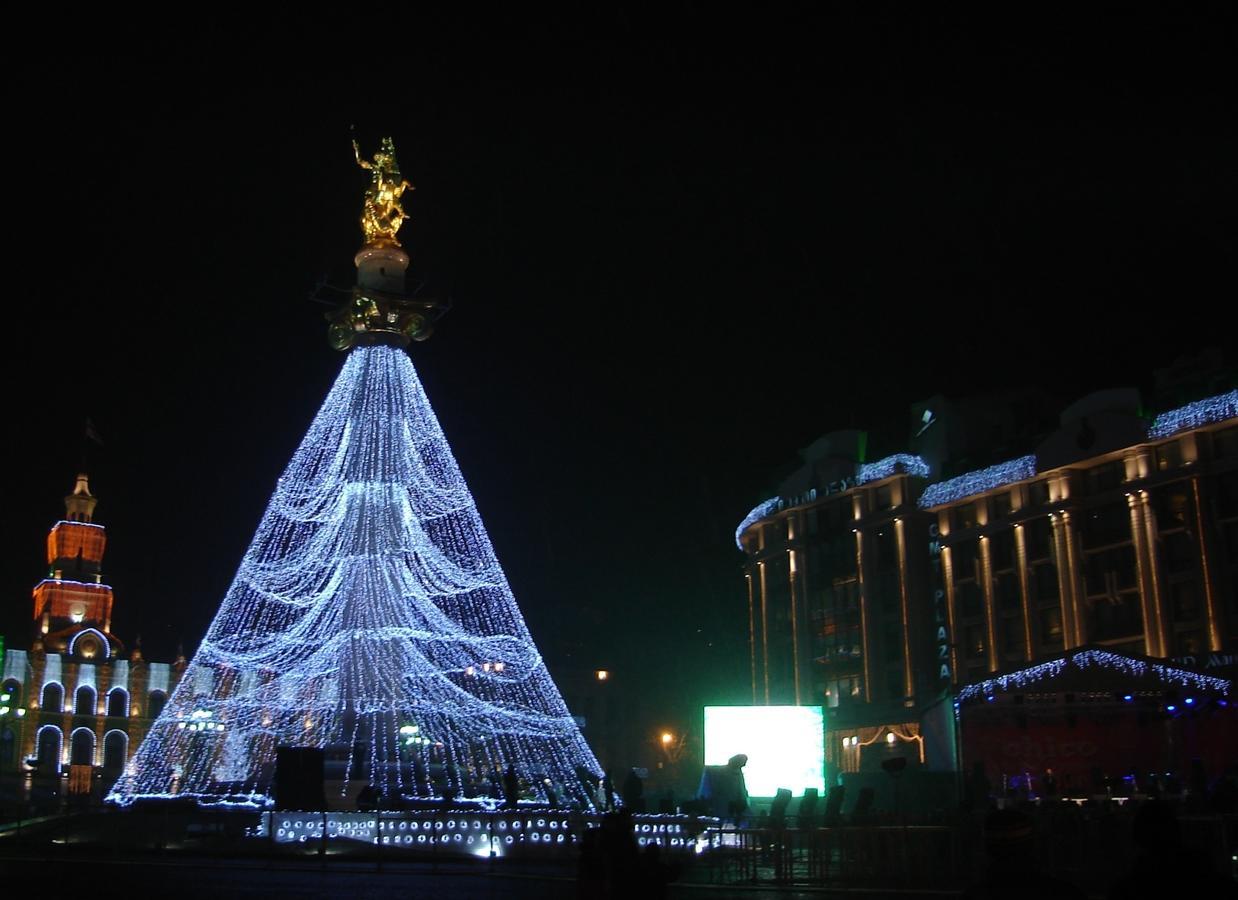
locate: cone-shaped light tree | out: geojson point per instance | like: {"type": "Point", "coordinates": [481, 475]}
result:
{"type": "Point", "coordinates": [370, 616]}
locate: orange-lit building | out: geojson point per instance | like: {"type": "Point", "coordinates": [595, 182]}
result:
{"type": "Point", "coordinates": [77, 697]}
{"type": "Point", "coordinates": [880, 589]}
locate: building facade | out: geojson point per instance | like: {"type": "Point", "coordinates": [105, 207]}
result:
{"type": "Point", "coordinates": [878, 589]}
{"type": "Point", "coordinates": [77, 697]}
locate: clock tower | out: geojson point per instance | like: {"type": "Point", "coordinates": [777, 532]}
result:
{"type": "Point", "coordinates": [72, 606]}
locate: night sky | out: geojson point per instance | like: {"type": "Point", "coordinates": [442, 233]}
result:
{"type": "Point", "coordinates": [679, 248]}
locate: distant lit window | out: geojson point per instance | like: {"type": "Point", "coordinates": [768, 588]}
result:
{"type": "Point", "coordinates": [1173, 507]}
{"type": "Point", "coordinates": [1169, 456]}
{"type": "Point", "coordinates": [965, 516]}
{"type": "Point", "coordinates": [885, 497]}
{"type": "Point", "coordinates": [1051, 626]}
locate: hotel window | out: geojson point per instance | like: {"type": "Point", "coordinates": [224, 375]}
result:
{"type": "Point", "coordinates": [1051, 627]}
{"type": "Point", "coordinates": [1106, 476]}
{"type": "Point", "coordinates": [1111, 570]}
{"type": "Point", "coordinates": [1038, 493]}
{"type": "Point", "coordinates": [1002, 505]}
{"type": "Point", "coordinates": [973, 641]}
{"type": "Point", "coordinates": [1173, 506]}
{"type": "Point", "coordinates": [971, 600]}
{"type": "Point", "coordinates": [1189, 643]}
{"type": "Point", "coordinates": [1227, 494]}
{"type": "Point", "coordinates": [893, 640]}
{"type": "Point", "coordinates": [1006, 592]}
{"type": "Point", "coordinates": [1225, 443]}
{"type": "Point", "coordinates": [1012, 636]}
{"type": "Point", "coordinates": [885, 497]}
{"type": "Point", "coordinates": [1105, 525]}
{"type": "Point", "coordinates": [894, 681]}
{"type": "Point", "coordinates": [1044, 585]}
{"type": "Point", "coordinates": [1186, 606]}
{"type": "Point", "coordinates": [886, 545]}
{"type": "Point", "coordinates": [1169, 456]}
{"type": "Point", "coordinates": [1179, 552]}
{"type": "Point", "coordinates": [1039, 537]}
{"type": "Point", "coordinates": [1001, 550]}
{"type": "Point", "coordinates": [965, 516]}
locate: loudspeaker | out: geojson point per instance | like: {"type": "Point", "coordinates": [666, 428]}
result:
{"type": "Point", "coordinates": [298, 778]}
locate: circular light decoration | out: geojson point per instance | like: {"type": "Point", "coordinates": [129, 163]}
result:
{"type": "Point", "coordinates": [368, 591]}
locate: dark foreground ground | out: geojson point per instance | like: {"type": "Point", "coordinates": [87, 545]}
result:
{"type": "Point", "coordinates": [223, 878]}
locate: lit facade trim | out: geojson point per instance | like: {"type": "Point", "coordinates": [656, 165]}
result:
{"type": "Point", "coordinates": [892, 465]}
{"type": "Point", "coordinates": [978, 482]}
{"type": "Point", "coordinates": [1082, 659]}
{"type": "Point", "coordinates": [1195, 415]}
{"type": "Point", "coordinates": [760, 511]}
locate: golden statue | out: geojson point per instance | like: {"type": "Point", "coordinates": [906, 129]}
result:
{"type": "Point", "coordinates": [383, 215]}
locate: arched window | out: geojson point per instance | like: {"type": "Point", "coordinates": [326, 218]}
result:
{"type": "Point", "coordinates": [52, 700]}
{"type": "Point", "coordinates": [82, 747]}
{"type": "Point", "coordinates": [155, 706]}
{"type": "Point", "coordinates": [117, 702]}
{"type": "Point", "coordinates": [49, 749]}
{"type": "Point", "coordinates": [12, 687]}
{"type": "Point", "coordinates": [115, 749]}
{"type": "Point", "coordinates": [84, 701]}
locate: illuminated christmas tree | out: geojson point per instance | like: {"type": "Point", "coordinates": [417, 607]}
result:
{"type": "Point", "coordinates": [370, 615]}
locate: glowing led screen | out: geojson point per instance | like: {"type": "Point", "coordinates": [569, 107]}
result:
{"type": "Point", "coordinates": [785, 745]}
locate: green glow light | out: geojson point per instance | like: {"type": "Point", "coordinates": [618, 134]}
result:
{"type": "Point", "coordinates": [785, 745]}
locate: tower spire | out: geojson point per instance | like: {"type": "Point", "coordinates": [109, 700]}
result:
{"type": "Point", "coordinates": [79, 506]}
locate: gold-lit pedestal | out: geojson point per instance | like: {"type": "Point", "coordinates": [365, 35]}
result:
{"type": "Point", "coordinates": [379, 311]}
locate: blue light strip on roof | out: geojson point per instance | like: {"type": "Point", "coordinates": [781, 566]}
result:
{"type": "Point", "coordinates": [892, 465]}
{"type": "Point", "coordinates": [759, 511]}
{"type": "Point", "coordinates": [1193, 415]}
{"type": "Point", "coordinates": [978, 482]}
{"type": "Point", "coordinates": [1082, 660]}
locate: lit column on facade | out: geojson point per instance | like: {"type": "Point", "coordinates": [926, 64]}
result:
{"type": "Point", "coordinates": [1159, 623]}
{"type": "Point", "coordinates": [1020, 549]}
{"type": "Point", "coordinates": [1214, 620]}
{"type": "Point", "coordinates": [901, 543]}
{"type": "Point", "coordinates": [795, 632]}
{"type": "Point", "coordinates": [990, 615]}
{"type": "Point", "coordinates": [752, 632]}
{"type": "Point", "coordinates": [947, 566]}
{"type": "Point", "coordinates": [864, 599]}
{"type": "Point", "coordinates": [764, 628]}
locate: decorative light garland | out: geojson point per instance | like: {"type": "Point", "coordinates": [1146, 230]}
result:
{"type": "Point", "coordinates": [1082, 659]}
{"type": "Point", "coordinates": [1193, 415]}
{"type": "Point", "coordinates": [370, 599]}
{"type": "Point", "coordinates": [977, 482]}
{"type": "Point", "coordinates": [892, 465]}
{"type": "Point", "coordinates": [760, 511]}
